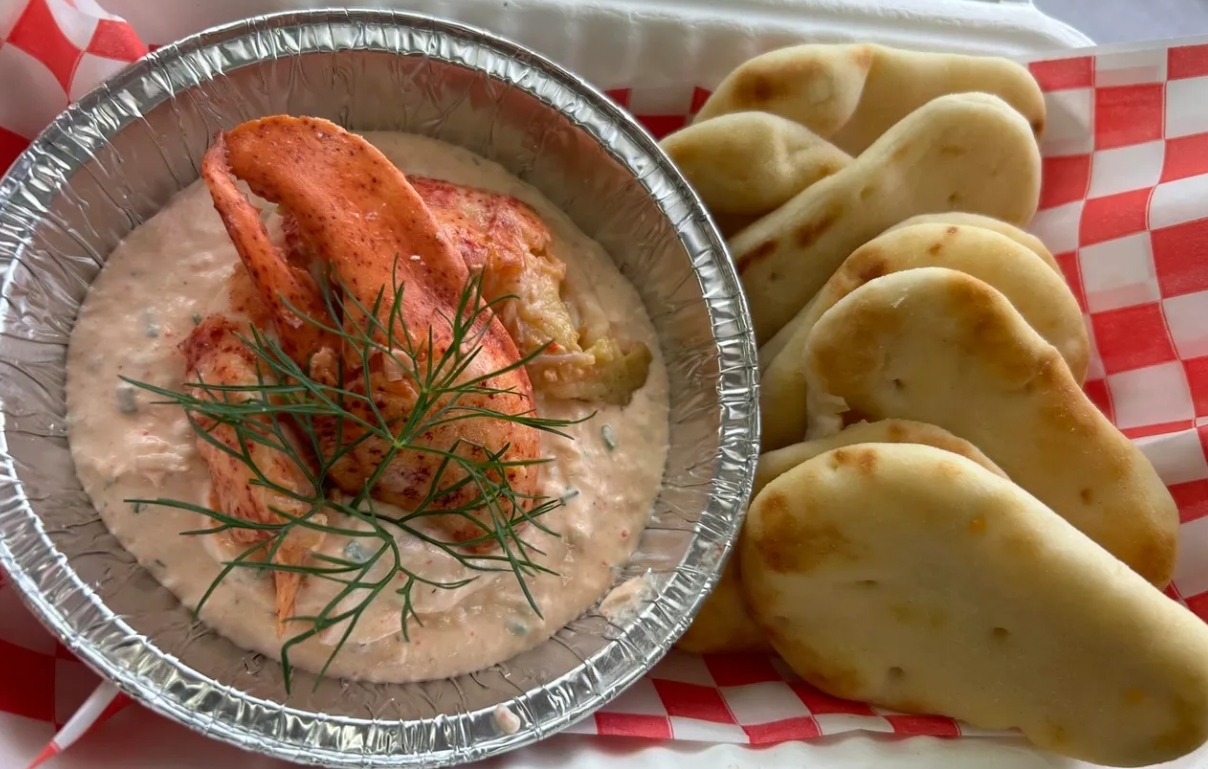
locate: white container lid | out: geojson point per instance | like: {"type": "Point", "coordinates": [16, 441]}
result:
{"type": "Point", "coordinates": [660, 42]}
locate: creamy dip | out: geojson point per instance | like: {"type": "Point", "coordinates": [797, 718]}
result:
{"type": "Point", "coordinates": [172, 270]}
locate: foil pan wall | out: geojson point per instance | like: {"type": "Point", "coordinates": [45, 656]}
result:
{"type": "Point", "coordinates": [117, 156]}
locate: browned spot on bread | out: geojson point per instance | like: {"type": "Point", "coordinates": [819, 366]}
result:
{"type": "Point", "coordinates": [864, 460]}
{"type": "Point", "coordinates": [1134, 696]}
{"type": "Point", "coordinates": [977, 525]}
{"type": "Point", "coordinates": [904, 613]}
{"type": "Point", "coordinates": [991, 329]}
{"type": "Point", "coordinates": [777, 522]}
{"type": "Point", "coordinates": [947, 472]}
{"type": "Point", "coordinates": [953, 150]}
{"type": "Point", "coordinates": [791, 543]}
{"type": "Point", "coordinates": [867, 192]}
{"type": "Point", "coordinates": [754, 88]}
{"type": "Point", "coordinates": [837, 459]}
{"type": "Point", "coordinates": [837, 359]}
{"type": "Point", "coordinates": [756, 255]}
{"type": "Point", "coordinates": [812, 229]}
{"type": "Point", "coordinates": [1038, 126]}
{"type": "Point", "coordinates": [1087, 495]}
{"type": "Point", "coordinates": [955, 198]}
{"type": "Point", "coordinates": [868, 266]}
{"type": "Point", "coordinates": [952, 230]}
{"type": "Point", "coordinates": [935, 248]}
{"type": "Point", "coordinates": [896, 433]}
{"type": "Point", "coordinates": [760, 82]}
{"type": "Point", "coordinates": [1000, 634]}
{"type": "Point", "coordinates": [773, 503]}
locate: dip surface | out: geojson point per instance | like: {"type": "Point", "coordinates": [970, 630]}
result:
{"type": "Point", "coordinates": [173, 270]}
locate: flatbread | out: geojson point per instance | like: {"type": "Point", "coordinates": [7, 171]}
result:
{"type": "Point", "coordinates": [962, 219]}
{"type": "Point", "coordinates": [723, 624]}
{"type": "Point", "coordinates": [942, 347]}
{"type": "Point", "coordinates": [749, 163]}
{"type": "Point", "coordinates": [911, 578]}
{"type": "Point", "coordinates": [852, 94]}
{"type": "Point", "coordinates": [968, 152]}
{"type": "Point", "coordinates": [1039, 293]}
{"type": "Point", "coordinates": [769, 351]}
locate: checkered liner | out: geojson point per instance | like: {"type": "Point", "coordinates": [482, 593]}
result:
{"type": "Point", "coordinates": [1124, 207]}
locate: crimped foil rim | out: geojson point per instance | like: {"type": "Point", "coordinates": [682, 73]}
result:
{"type": "Point", "coordinates": [92, 631]}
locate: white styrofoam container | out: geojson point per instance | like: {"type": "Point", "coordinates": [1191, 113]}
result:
{"type": "Point", "coordinates": [615, 43]}
{"type": "Point", "coordinates": [657, 44]}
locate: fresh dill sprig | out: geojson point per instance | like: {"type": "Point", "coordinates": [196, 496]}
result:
{"type": "Point", "coordinates": [281, 411]}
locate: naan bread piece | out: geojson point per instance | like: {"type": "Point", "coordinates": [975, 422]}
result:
{"type": "Point", "coordinates": [723, 626]}
{"type": "Point", "coordinates": [968, 152]}
{"type": "Point", "coordinates": [852, 94]}
{"type": "Point", "coordinates": [1022, 237]}
{"type": "Point", "coordinates": [1033, 288]}
{"type": "Point", "coordinates": [774, 464]}
{"type": "Point", "coordinates": [913, 579]}
{"type": "Point", "coordinates": [723, 623]}
{"type": "Point", "coordinates": [939, 346]}
{"type": "Point", "coordinates": [773, 347]}
{"type": "Point", "coordinates": [750, 163]}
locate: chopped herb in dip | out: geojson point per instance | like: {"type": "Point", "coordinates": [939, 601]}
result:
{"type": "Point", "coordinates": [127, 399]}
{"type": "Point", "coordinates": [517, 626]}
{"type": "Point", "coordinates": [150, 327]}
{"type": "Point", "coordinates": [355, 551]}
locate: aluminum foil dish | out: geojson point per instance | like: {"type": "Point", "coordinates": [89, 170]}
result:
{"type": "Point", "coordinates": [114, 160]}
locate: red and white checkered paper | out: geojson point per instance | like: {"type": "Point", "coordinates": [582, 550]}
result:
{"type": "Point", "coordinates": [1124, 208]}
